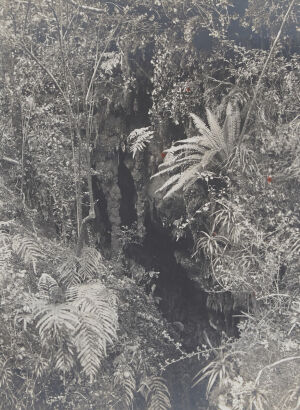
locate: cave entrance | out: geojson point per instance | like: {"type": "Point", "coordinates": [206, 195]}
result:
{"type": "Point", "coordinates": [127, 211]}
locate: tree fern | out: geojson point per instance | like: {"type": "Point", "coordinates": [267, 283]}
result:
{"type": "Point", "coordinates": [27, 249]}
{"type": "Point", "coordinates": [138, 139]}
{"type": "Point", "coordinates": [156, 393]}
{"type": "Point", "coordinates": [211, 150]}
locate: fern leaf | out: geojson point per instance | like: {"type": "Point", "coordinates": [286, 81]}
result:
{"type": "Point", "coordinates": [124, 378]}
{"type": "Point", "coordinates": [156, 393]}
{"type": "Point", "coordinates": [65, 353]}
{"type": "Point", "coordinates": [47, 286]}
{"type": "Point", "coordinates": [90, 343]}
{"type": "Point", "coordinates": [190, 175]}
{"type": "Point", "coordinates": [169, 182]}
{"type": "Point", "coordinates": [232, 125]}
{"type": "Point", "coordinates": [53, 319]}
{"type": "Point", "coordinates": [94, 298]}
{"type": "Point", "coordinates": [200, 125]}
{"type": "Point", "coordinates": [91, 264]}
{"type": "Point", "coordinates": [69, 272]}
{"type": "Point", "coordinates": [138, 139]}
{"type": "Point", "coordinates": [27, 249]}
{"type": "Point", "coordinates": [215, 127]}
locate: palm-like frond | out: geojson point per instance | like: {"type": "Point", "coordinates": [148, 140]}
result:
{"type": "Point", "coordinates": [138, 139]}
{"type": "Point", "coordinates": [156, 393]}
{"type": "Point", "coordinates": [27, 249]}
{"type": "Point", "coordinates": [211, 149]}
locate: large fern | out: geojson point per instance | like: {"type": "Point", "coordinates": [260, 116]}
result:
{"type": "Point", "coordinates": [209, 151]}
{"type": "Point", "coordinates": [28, 249]}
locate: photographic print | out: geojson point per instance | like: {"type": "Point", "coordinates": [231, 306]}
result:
{"type": "Point", "coordinates": [149, 205]}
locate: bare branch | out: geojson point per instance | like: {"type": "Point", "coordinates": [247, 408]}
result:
{"type": "Point", "coordinates": [86, 8]}
{"type": "Point", "coordinates": [10, 160]}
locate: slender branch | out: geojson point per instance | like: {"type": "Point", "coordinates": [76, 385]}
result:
{"type": "Point", "coordinates": [10, 160]}
{"type": "Point", "coordinates": [86, 8]}
{"type": "Point", "coordinates": [257, 87]}
{"type": "Point", "coordinates": [269, 366]}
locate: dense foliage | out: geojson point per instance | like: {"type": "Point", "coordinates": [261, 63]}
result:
{"type": "Point", "coordinates": [199, 99]}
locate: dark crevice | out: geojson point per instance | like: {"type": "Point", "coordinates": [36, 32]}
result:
{"type": "Point", "coordinates": [102, 224]}
{"type": "Point", "coordinates": [181, 300]}
{"type": "Point", "coordinates": [128, 213]}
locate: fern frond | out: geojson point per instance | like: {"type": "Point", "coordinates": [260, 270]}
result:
{"type": "Point", "coordinates": [215, 128]}
{"type": "Point", "coordinates": [169, 182]}
{"type": "Point", "coordinates": [90, 343]}
{"type": "Point", "coordinates": [94, 298]}
{"type": "Point", "coordinates": [200, 125]}
{"type": "Point", "coordinates": [138, 139]}
{"type": "Point", "coordinates": [77, 270]}
{"type": "Point", "coordinates": [91, 264]}
{"type": "Point", "coordinates": [208, 150]}
{"type": "Point", "coordinates": [47, 286]}
{"type": "Point", "coordinates": [65, 353]}
{"type": "Point", "coordinates": [27, 249]}
{"type": "Point", "coordinates": [53, 319]}
{"type": "Point", "coordinates": [124, 378]}
{"type": "Point", "coordinates": [190, 176]}
{"type": "Point", "coordinates": [156, 393]}
{"type": "Point", "coordinates": [69, 271]}
{"type": "Point", "coordinates": [232, 125]}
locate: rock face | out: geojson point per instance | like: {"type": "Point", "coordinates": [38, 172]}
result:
{"type": "Point", "coordinates": [125, 196]}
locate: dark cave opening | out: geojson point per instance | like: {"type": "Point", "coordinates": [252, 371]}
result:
{"type": "Point", "coordinates": [182, 302]}
{"type": "Point", "coordinates": [102, 223]}
{"type": "Point", "coordinates": [128, 213]}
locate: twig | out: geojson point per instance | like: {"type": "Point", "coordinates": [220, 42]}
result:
{"type": "Point", "coordinates": [86, 8]}
{"type": "Point", "coordinates": [10, 160]}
